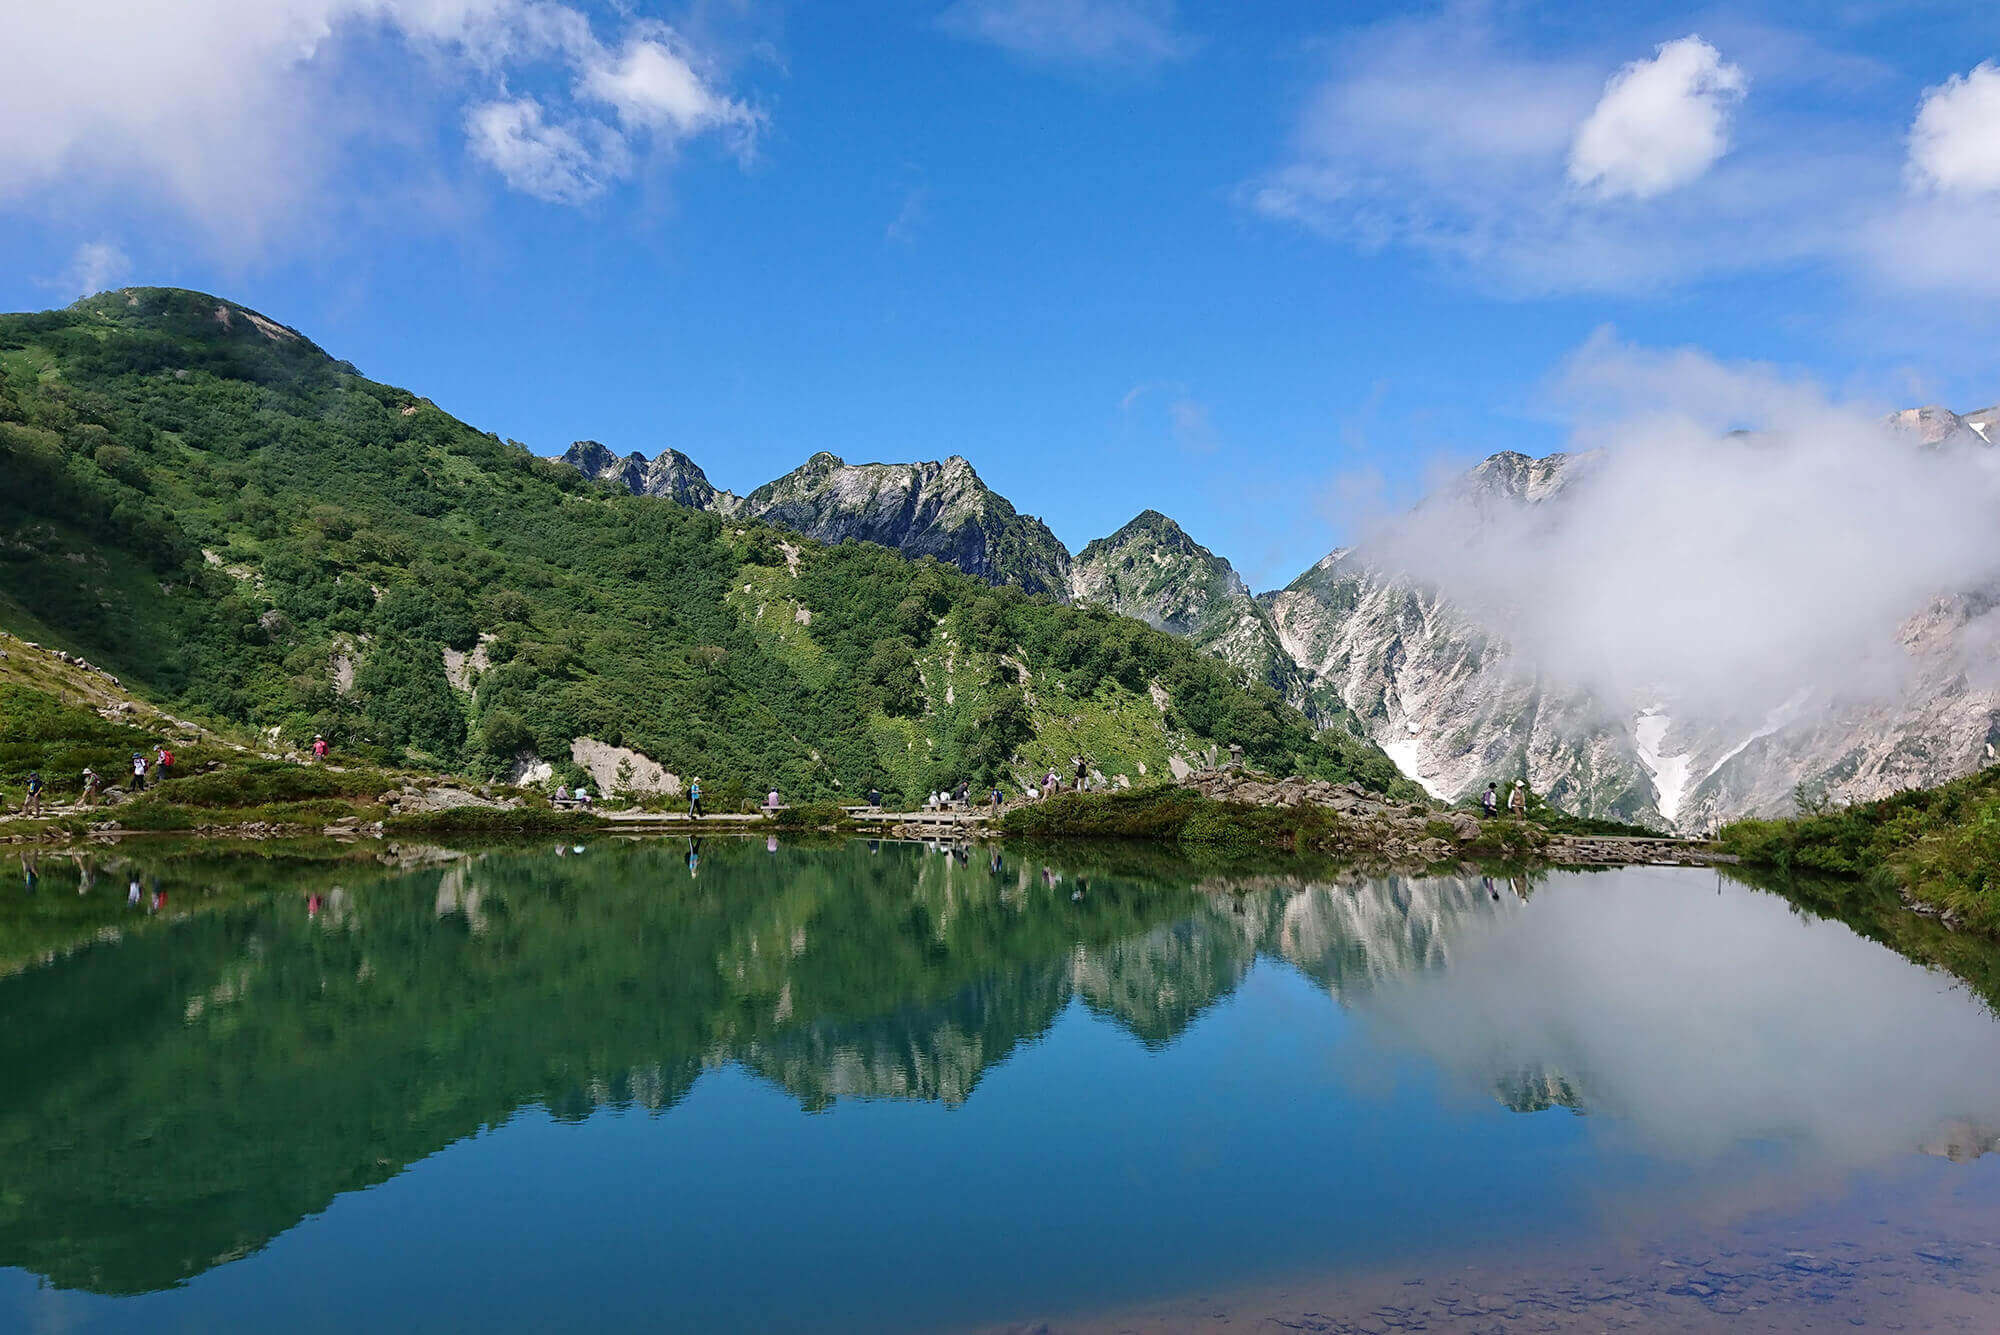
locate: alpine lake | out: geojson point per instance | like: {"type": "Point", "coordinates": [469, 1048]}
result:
{"type": "Point", "coordinates": [739, 1085]}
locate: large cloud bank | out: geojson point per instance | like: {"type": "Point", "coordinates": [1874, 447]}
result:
{"type": "Point", "coordinates": [1738, 537]}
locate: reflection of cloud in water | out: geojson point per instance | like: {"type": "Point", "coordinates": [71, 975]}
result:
{"type": "Point", "coordinates": [1701, 1022]}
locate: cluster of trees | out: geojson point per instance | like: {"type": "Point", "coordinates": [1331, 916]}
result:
{"type": "Point", "coordinates": [213, 507]}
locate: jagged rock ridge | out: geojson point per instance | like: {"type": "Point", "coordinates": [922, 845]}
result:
{"type": "Point", "coordinates": [940, 509]}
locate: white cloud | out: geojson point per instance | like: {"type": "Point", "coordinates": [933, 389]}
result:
{"type": "Point", "coordinates": [1955, 143]}
{"type": "Point", "coordinates": [551, 162]}
{"type": "Point", "coordinates": [1093, 32]}
{"type": "Point", "coordinates": [650, 83]}
{"type": "Point", "coordinates": [1441, 136]}
{"type": "Point", "coordinates": [246, 116]}
{"type": "Point", "coordinates": [97, 265]}
{"type": "Point", "coordinates": [1661, 123]}
{"type": "Point", "coordinates": [1718, 570]}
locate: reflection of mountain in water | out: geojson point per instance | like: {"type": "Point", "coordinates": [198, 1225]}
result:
{"type": "Point", "coordinates": [183, 1090]}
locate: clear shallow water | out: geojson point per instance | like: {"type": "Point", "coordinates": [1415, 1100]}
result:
{"type": "Point", "coordinates": [862, 1089]}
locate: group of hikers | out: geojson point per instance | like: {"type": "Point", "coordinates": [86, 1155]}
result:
{"type": "Point", "coordinates": [1517, 800]}
{"type": "Point", "coordinates": [157, 767]}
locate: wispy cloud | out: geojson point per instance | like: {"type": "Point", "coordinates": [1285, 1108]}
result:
{"type": "Point", "coordinates": [1129, 33]}
{"type": "Point", "coordinates": [902, 228]}
{"type": "Point", "coordinates": [1530, 172]}
{"type": "Point", "coordinates": [1187, 419]}
{"type": "Point", "coordinates": [97, 265]}
{"type": "Point", "coordinates": [250, 150]}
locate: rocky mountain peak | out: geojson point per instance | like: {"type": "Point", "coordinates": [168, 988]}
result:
{"type": "Point", "coordinates": [670, 475]}
{"type": "Point", "coordinates": [1514, 476]}
{"type": "Point", "coordinates": [1152, 570]}
{"type": "Point", "coordinates": [1933, 425]}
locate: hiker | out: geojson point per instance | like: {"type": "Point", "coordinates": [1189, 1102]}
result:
{"type": "Point", "coordinates": [583, 796]}
{"type": "Point", "coordinates": [964, 795]}
{"type": "Point", "coordinates": [875, 798]}
{"type": "Point", "coordinates": [319, 747]}
{"type": "Point", "coordinates": [163, 764]}
{"type": "Point", "coordinates": [1082, 769]}
{"type": "Point", "coordinates": [90, 786]}
{"type": "Point", "coordinates": [138, 771]}
{"type": "Point", "coordinates": [771, 800]}
{"type": "Point", "coordinates": [562, 793]}
{"type": "Point", "coordinates": [997, 799]}
{"type": "Point", "coordinates": [1517, 801]}
{"type": "Point", "coordinates": [1490, 799]}
{"type": "Point", "coordinates": [1049, 784]}
{"type": "Point", "coordinates": [33, 806]}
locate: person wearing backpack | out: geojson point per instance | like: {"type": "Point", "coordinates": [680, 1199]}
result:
{"type": "Point", "coordinates": [33, 806]}
{"type": "Point", "coordinates": [695, 811]}
{"type": "Point", "coordinates": [163, 765]}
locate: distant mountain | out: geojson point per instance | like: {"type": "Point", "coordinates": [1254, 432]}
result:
{"type": "Point", "coordinates": [1151, 569]}
{"type": "Point", "coordinates": [670, 475]}
{"type": "Point", "coordinates": [922, 509]}
{"type": "Point", "coordinates": [939, 509]}
{"type": "Point", "coordinates": [1441, 694]}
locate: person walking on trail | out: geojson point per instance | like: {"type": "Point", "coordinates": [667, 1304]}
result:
{"type": "Point", "coordinates": [319, 747]}
{"type": "Point", "coordinates": [91, 784]}
{"type": "Point", "coordinates": [694, 799]}
{"type": "Point", "coordinates": [997, 799]}
{"type": "Point", "coordinates": [33, 806]}
{"type": "Point", "coordinates": [1490, 799]}
{"type": "Point", "coordinates": [1082, 768]}
{"type": "Point", "coordinates": [138, 771]}
{"type": "Point", "coordinates": [964, 795]}
{"type": "Point", "coordinates": [163, 764]}
{"type": "Point", "coordinates": [1517, 801]}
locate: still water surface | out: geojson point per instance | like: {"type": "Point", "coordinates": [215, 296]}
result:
{"type": "Point", "coordinates": [886, 1088]}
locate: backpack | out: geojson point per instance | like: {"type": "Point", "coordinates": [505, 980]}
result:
{"type": "Point", "coordinates": [166, 758]}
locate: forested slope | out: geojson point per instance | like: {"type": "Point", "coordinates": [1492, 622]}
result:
{"type": "Point", "coordinates": [241, 526]}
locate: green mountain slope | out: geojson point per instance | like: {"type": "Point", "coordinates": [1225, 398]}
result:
{"type": "Point", "coordinates": [235, 523]}
{"type": "Point", "coordinates": [1151, 569]}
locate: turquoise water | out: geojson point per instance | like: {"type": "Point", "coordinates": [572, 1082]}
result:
{"type": "Point", "coordinates": [885, 1088]}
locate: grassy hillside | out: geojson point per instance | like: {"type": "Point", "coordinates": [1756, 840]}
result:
{"type": "Point", "coordinates": [1941, 845]}
{"type": "Point", "coordinates": [243, 528]}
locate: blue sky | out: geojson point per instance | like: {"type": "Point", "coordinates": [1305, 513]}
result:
{"type": "Point", "coordinates": [1260, 266]}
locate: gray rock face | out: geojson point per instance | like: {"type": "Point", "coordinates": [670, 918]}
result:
{"type": "Point", "coordinates": [1153, 571]}
{"type": "Point", "coordinates": [942, 510]}
{"type": "Point", "coordinates": [670, 475]}
{"type": "Point", "coordinates": [938, 509]}
{"type": "Point", "coordinates": [1440, 693]}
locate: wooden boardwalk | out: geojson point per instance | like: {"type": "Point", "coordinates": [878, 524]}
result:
{"type": "Point", "coordinates": [959, 821]}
